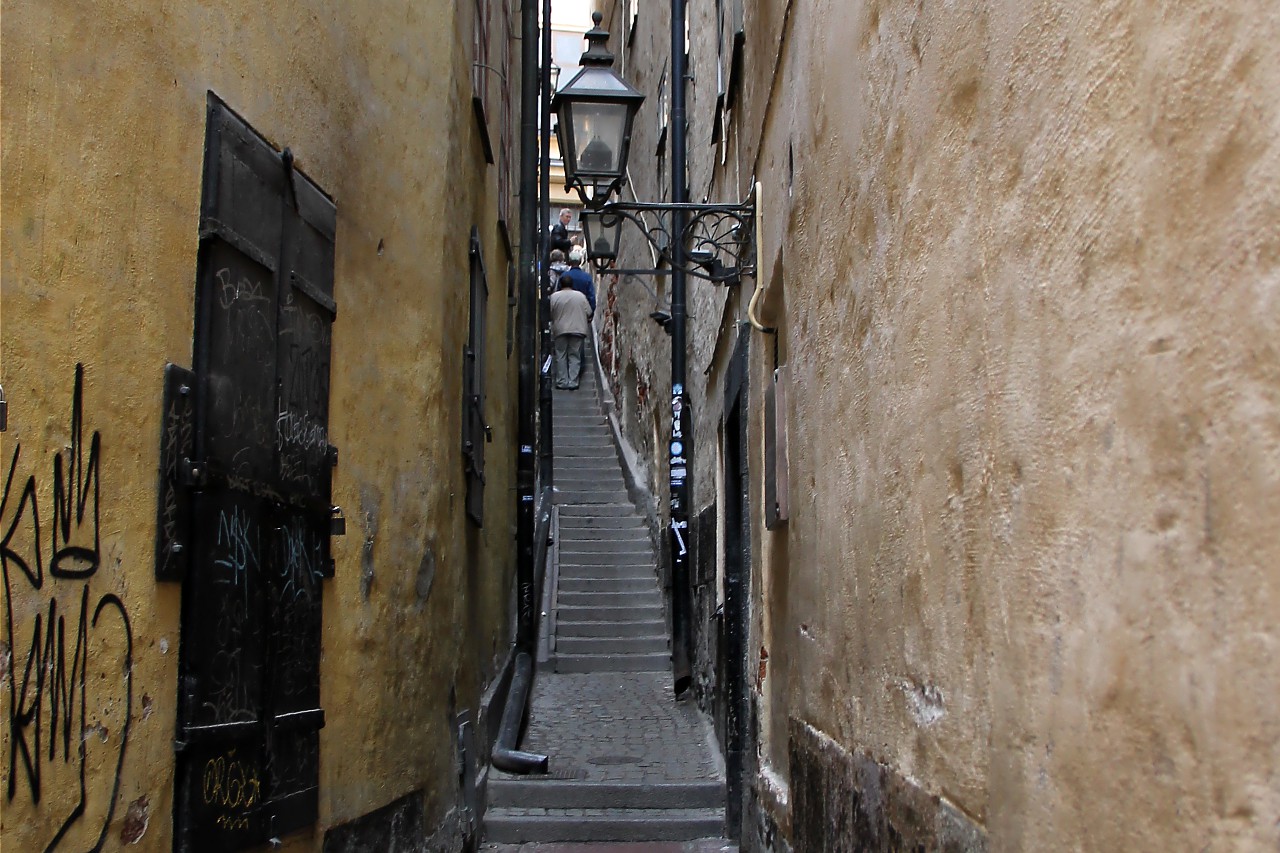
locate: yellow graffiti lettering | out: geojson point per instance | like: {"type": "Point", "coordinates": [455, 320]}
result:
{"type": "Point", "coordinates": [229, 783]}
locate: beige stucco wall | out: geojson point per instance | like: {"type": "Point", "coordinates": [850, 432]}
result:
{"type": "Point", "coordinates": [103, 133]}
{"type": "Point", "coordinates": [1026, 278]}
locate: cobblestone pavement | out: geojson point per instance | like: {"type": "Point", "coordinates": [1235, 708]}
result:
{"type": "Point", "coordinates": [619, 727]}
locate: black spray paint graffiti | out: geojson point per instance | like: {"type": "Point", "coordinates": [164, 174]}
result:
{"type": "Point", "coordinates": [71, 655]}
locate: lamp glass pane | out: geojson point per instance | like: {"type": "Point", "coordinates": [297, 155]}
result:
{"type": "Point", "coordinates": [602, 232]}
{"type": "Point", "coordinates": [598, 130]}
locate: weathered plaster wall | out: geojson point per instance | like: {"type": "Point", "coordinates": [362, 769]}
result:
{"type": "Point", "coordinates": [1026, 274]}
{"type": "Point", "coordinates": [103, 130]}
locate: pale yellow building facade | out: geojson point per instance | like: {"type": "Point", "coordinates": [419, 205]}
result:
{"type": "Point", "coordinates": [310, 205]}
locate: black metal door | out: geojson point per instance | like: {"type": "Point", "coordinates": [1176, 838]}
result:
{"type": "Point", "coordinates": [249, 705]}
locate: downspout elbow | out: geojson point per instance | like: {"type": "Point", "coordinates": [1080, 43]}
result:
{"type": "Point", "coordinates": [505, 756]}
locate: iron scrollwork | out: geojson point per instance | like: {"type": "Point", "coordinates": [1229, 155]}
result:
{"type": "Point", "coordinates": [719, 239]}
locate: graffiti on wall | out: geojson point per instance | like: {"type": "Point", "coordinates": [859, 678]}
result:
{"type": "Point", "coordinates": [69, 648]}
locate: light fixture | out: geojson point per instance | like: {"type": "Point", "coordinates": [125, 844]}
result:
{"type": "Point", "coordinates": [595, 112]}
{"type": "Point", "coordinates": [603, 230]}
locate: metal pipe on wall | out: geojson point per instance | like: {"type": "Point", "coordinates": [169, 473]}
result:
{"type": "Point", "coordinates": [505, 755]}
{"type": "Point", "coordinates": [526, 438]}
{"type": "Point", "coordinates": [680, 457]}
{"type": "Point", "coordinates": [546, 459]}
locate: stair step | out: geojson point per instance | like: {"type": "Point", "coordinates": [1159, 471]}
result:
{"type": "Point", "coordinates": [589, 521]}
{"type": "Point", "coordinates": [588, 572]}
{"type": "Point", "coordinates": [650, 662]}
{"type": "Point", "coordinates": [546, 793]}
{"type": "Point", "coordinates": [618, 510]}
{"type": "Point", "coordinates": [641, 551]}
{"type": "Point", "coordinates": [518, 826]}
{"type": "Point", "coordinates": [583, 438]}
{"type": "Point", "coordinates": [574, 439]}
{"type": "Point", "coordinates": [608, 529]}
{"type": "Point", "coordinates": [653, 644]}
{"type": "Point", "coordinates": [569, 613]}
{"type": "Point", "coordinates": [618, 491]}
{"type": "Point", "coordinates": [646, 598]}
{"type": "Point", "coordinates": [605, 548]}
{"type": "Point", "coordinates": [608, 561]}
{"type": "Point", "coordinates": [592, 497]}
{"type": "Point", "coordinates": [572, 629]}
{"type": "Point", "coordinates": [624, 584]}
{"type": "Point", "coordinates": [583, 428]}
{"type": "Point", "coordinates": [633, 545]}
{"type": "Point", "coordinates": [603, 542]}
{"type": "Point", "coordinates": [606, 470]}
{"type": "Point", "coordinates": [593, 576]}
{"type": "Point", "coordinates": [580, 540]}
{"type": "Point", "coordinates": [595, 536]}
{"type": "Point", "coordinates": [584, 480]}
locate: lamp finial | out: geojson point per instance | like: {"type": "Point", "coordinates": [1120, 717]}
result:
{"type": "Point", "coordinates": [597, 38]}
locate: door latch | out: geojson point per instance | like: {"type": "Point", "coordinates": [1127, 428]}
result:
{"type": "Point", "coordinates": [337, 522]}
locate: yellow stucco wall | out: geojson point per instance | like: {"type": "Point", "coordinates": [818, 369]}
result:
{"type": "Point", "coordinates": [1026, 279]}
{"type": "Point", "coordinates": [103, 133]}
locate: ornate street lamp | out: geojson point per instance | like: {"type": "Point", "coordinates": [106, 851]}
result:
{"type": "Point", "coordinates": [603, 230]}
{"type": "Point", "coordinates": [595, 111]}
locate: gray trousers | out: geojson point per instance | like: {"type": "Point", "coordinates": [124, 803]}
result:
{"type": "Point", "coordinates": [569, 360]}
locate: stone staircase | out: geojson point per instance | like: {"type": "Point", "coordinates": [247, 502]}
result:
{"type": "Point", "coordinates": [607, 604]}
{"type": "Point", "coordinates": [627, 762]}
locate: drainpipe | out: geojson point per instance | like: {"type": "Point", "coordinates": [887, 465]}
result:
{"type": "Point", "coordinates": [546, 461]}
{"type": "Point", "coordinates": [527, 603]}
{"type": "Point", "coordinates": [505, 755]}
{"type": "Point", "coordinates": [681, 446]}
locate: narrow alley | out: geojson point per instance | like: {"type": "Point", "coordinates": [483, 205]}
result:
{"type": "Point", "coordinates": [628, 762]}
{"type": "Point", "coordinates": [919, 494]}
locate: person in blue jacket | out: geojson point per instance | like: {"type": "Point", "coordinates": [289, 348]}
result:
{"type": "Point", "coordinates": [580, 278]}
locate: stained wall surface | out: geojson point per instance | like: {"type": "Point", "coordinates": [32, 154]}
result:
{"type": "Point", "coordinates": [1022, 260]}
{"type": "Point", "coordinates": [103, 134]}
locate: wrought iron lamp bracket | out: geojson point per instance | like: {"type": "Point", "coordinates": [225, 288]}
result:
{"type": "Point", "coordinates": [719, 239]}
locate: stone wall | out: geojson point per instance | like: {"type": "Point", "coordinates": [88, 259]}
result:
{"type": "Point", "coordinates": [1022, 263]}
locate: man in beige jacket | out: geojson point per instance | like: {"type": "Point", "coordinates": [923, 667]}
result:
{"type": "Point", "coordinates": [570, 323]}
